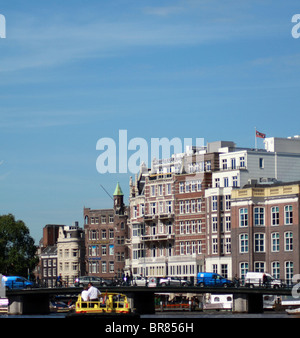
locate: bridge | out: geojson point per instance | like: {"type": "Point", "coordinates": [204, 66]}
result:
{"type": "Point", "coordinates": [36, 300]}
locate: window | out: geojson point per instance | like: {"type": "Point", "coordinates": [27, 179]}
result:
{"type": "Point", "coordinates": [243, 269]}
{"type": "Point", "coordinates": [181, 228]}
{"type": "Point", "coordinates": [261, 163]}
{"type": "Point", "coordinates": [224, 270]}
{"type": "Point", "coordinates": [259, 266]}
{"type": "Point", "coordinates": [199, 247]}
{"type": "Point", "coordinates": [193, 206]}
{"type": "Point", "coordinates": [226, 182]}
{"type": "Point", "coordinates": [208, 165]}
{"type": "Point", "coordinates": [193, 227]}
{"type": "Point", "coordinates": [103, 250]}
{"type": "Point", "coordinates": [93, 235]}
{"type": "Point", "coordinates": [187, 207]}
{"type": "Point", "coordinates": [242, 162]}
{"type": "Point", "coordinates": [288, 240]}
{"type": "Point", "coordinates": [224, 163]}
{"type": "Point", "coordinates": [187, 248]}
{"type": "Point", "coordinates": [227, 202]}
{"type": "Point", "coordinates": [243, 217]}
{"type": "Point", "coordinates": [214, 245]}
{"type": "Point", "coordinates": [288, 214]}
{"type": "Point", "coordinates": [199, 204]}
{"type": "Point", "coordinates": [199, 226]}
{"type": "Point", "coordinates": [111, 267]}
{"type": "Point", "coordinates": [275, 216]}
{"type": "Point", "coordinates": [181, 187]}
{"type": "Point", "coordinates": [259, 242]}
{"type": "Point", "coordinates": [161, 207]}
{"type": "Point", "coordinates": [275, 241]}
{"type": "Point", "coordinates": [152, 190]}
{"type": "Point", "coordinates": [227, 223]}
{"type": "Point", "coordinates": [214, 202]}
{"type": "Point", "coordinates": [244, 243]}
{"type": "Point", "coordinates": [181, 248]}
{"type": "Point", "coordinates": [214, 224]}
{"type": "Point", "coordinates": [152, 208]}
{"type": "Point", "coordinates": [160, 190]}
{"type": "Point", "coordinates": [227, 245]}
{"type": "Point", "coordinates": [142, 209]}
{"type": "Point", "coordinates": [187, 227]}
{"type": "Point", "coordinates": [233, 163]}
{"type": "Point", "coordinates": [217, 182]}
{"type": "Point", "coordinates": [234, 181]}
{"type": "Point", "coordinates": [181, 207]}
{"type": "Point", "coordinates": [103, 232]}
{"type": "Point", "coordinates": [135, 212]}
{"type": "Point", "coordinates": [289, 272]}
{"type": "Point", "coordinates": [187, 186]}
{"type": "Point", "coordinates": [74, 266]}
{"type": "Point", "coordinates": [169, 207]}
{"type": "Point", "coordinates": [111, 218]}
{"type": "Point", "coordinates": [275, 270]}
{"type": "Point", "coordinates": [259, 216]}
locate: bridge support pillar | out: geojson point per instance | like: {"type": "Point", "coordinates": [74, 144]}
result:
{"type": "Point", "coordinates": [141, 303]}
{"type": "Point", "coordinates": [28, 305]}
{"type": "Point", "coordinates": [247, 303]}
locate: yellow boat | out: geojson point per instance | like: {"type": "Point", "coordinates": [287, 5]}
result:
{"type": "Point", "coordinates": [110, 303]}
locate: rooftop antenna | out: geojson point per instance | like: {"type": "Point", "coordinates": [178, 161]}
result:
{"type": "Point", "coordinates": [106, 191]}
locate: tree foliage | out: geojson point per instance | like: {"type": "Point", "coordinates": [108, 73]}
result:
{"type": "Point", "coordinates": [17, 249]}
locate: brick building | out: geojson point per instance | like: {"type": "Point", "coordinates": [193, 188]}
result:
{"type": "Point", "coordinates": [105, 234]}
{"type": "Point", "coordinates": [168, 223]}
{"type": "Point", "coordinates": [265, 230]}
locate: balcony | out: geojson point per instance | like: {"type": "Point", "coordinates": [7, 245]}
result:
{"type": "Point", "coordinates": [165, 215]}
{"type": "Point", "coordinates": [158, 237]}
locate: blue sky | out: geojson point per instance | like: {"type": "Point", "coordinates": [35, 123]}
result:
{"type": "Point", "coordinates": [72, 72]}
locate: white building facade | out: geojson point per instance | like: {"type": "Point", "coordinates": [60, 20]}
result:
{"type": "Point", "coordinates": [279, 161]}
{"type": "Point", "coordinates": [71, 253]}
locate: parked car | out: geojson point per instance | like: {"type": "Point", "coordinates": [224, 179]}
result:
{"type": "Point", "coordinates": [97, 281]}
{"type": "Point", "coordinates": [173, 281]}
{"type": "Point", "coordinates": [212, 279]}
{"type": "Point", "coordinates": [256, 279]}
{"type": "Point", "coordinates": [17, 282]}
{"type": "Point", "coordinates": [140, 281]}
{"type": "Point", "coordinates": [152, 282]}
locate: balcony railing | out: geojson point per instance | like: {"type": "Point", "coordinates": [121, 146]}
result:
{"type": "Point", "coordinates": [158, 237]}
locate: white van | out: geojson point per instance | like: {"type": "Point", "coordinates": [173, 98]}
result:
{"type": "Point", "coordinates": [256, 279]}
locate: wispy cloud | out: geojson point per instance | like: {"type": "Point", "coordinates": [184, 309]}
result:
{"type": "Point", "coordinates": [34, 44]}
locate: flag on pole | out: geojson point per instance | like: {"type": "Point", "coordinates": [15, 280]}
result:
{"type": "Point", "coordinates": [259, 134]}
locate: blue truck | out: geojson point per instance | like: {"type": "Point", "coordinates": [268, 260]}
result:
{"type": "Point", "coordinates": [16, 282]}
{"type": "Point", "coordinates": [212, 279]}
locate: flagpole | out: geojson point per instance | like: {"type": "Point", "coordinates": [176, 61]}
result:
{"type": "Point", "coordinates": [255, 139]}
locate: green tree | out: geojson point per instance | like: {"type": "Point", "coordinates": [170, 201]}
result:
{"type": "Point", "coordinates": [17, 249]}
